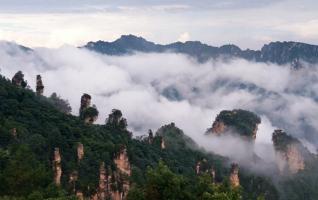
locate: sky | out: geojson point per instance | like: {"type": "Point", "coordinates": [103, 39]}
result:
{"type": "Point", "coordinates": [246, 23]}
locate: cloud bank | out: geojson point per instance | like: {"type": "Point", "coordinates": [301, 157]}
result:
{"type": "Point", "coordinates": [156, 89]}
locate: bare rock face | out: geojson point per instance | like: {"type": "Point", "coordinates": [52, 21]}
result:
{"type": "Point", "coordinates": [122, 162]}
{"type": "Point", "coordinates": [234, 176]}
{"type": "Point", "coordinates": [162, 144]}
{"type": "Point", "coordinates": [57, 168]}
{"type": "Point", "coordinates": [39, 85]}
{"type": "Point", "coordinates": [289, 152]}
{"type": "Point", "coordinates": [80, 151]}
{"type": "Point", "coordinates": [241, 122]}
{"type": "Point", "coordinates": [18, 80]}
{"type": "Point", "coordinates": [218, 127]}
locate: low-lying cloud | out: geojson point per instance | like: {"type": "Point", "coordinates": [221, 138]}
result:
{"type": "Point", "coordinates": [156, 89]}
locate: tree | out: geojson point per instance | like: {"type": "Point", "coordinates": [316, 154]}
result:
{"type": "Point", "coordinates": [162, 183]}
{"type": "Point", "coordinates": [59, 103]}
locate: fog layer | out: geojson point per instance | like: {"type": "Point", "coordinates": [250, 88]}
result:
{"type": "Point", "coordinates": [156, 89]}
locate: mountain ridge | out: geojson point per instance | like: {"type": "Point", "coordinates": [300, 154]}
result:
{"type": "Point", "coordinates": [281, 53]}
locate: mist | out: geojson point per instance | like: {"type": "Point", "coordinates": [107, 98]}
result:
{"type": "Point", "coordinates": [156, 89]}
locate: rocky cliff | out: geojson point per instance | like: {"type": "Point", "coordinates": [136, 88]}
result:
{"type": "Point", "coordinates": [242, 122]}
{"type": "Point", "coordinates": [57, 168]}
{"type": "Point", "coordinates": [87, 112]}
{"type": "Point", "coordinates": [39, 85]}
{"type": "Point", "coordinates": [234, 176]}
{"type": "Point", "coordinates": [290, 153]}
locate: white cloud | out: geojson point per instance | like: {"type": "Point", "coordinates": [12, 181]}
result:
{"type": "Point", "coordinates": [140, 86]}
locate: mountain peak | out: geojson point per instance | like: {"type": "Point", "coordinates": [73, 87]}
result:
{"type": "Point", "coordinates": [130, 37]}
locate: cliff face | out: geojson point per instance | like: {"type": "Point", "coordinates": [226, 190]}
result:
{"type": "Point", "coordinates": [57, 167]}
{"type": "Point", "coordinates": [234, 176]}
{"type": "Point", "coordinates": [123, 165]}
{"type": "Point", "coordinates": [122, 162]}
{"type": "Point", "coordinates": [218, 127]}
{"type": "Point", "coordinates": [289, 152]}
{"type": "Point", "coordinates": [114, 184]}
{"type": "Point", "coordinates": [242, 122]}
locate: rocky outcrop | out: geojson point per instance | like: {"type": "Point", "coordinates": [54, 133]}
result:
{"type": "Point", "coordinates": [39, 85]}
{"type": "Point", "coordinates": [198, 168]}
{"type": "Point", "coordinates": [218, 127]}
{"type": "Point", "coordinates": [122, 162]}
{"type": "Point", "coordinates": [80, 151]}
{"type": "Point", "coordinates": [72, 180]}
{"type": "Point", "coordinates": [162, 143]}
{"type": "Point", "coordinates": [123, 165]}
{"type": "Point", "coordinates": [88, 113]}
{"type": "Point", "coordinates": [150, 136]}
{"type": "Point", "coordinates": [241, 122]}
{"type": "Point", "coordinates": [116, 119]}
{"type": "Point", "coordinates": [234, 176]}
{"type": "Point", "coordinates": [203, 166]}
{"type": "Point", "coordinates": [57, 168]}
{"type": "Point", "coordinates": [18, 80]}
{"type": "Point", "coordinates": [85, 102]}
{"type": "Point", "coordinates": [289, 152]}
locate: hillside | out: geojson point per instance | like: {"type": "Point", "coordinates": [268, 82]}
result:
{"type": "Point", "coordinates": [47, 153]}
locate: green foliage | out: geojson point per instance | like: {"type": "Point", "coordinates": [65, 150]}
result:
{"type": "Point", "coordinates": [26, 161]}
{"type": "Point", "coordinates": [162, 183]}
{"type": "Point", "coordinates": [59, 103]}
{"type": "Point", "coordinates": [90, 112]}
{"type": "Point", "coordinates": [245, 122]}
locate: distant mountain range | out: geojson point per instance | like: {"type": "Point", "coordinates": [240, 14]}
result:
{"type": "Point", "coordinates": [294, 53]}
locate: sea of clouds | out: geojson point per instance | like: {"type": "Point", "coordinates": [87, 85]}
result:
{"type": "Point", "coordinates": [154, 89]}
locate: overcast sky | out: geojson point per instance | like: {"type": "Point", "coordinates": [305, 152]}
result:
{"type": "Point", "coordinates": [246, 23]}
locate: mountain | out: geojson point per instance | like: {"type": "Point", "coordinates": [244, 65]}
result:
{"type": "Point", "coordinates": [47, 153]}
{"type": "Point", "coordinates": [12, 47]}
{"type": "Point", "coordinates": [280, 53]}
